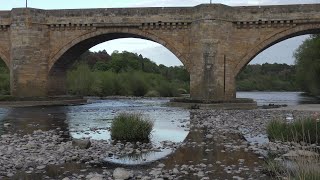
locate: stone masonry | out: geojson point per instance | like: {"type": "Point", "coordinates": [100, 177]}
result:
{"type": "Point", "coordinates": [213, 41]}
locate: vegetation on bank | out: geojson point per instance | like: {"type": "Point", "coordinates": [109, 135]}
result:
{"type": "Point", "coordinates": [131, 127]}
{"type": "Point", "coordinates": [305, 165]}
{"type": "Point", "coordinates": [267, 77]}
{"type": "Point", "coordinates": [302, 130]}
{"type": "Point", "coordinates": [4, 79]}
{"type": "Point", "coordinates": [125, 74]}
{"type": "Point", "coordinates": [308, 65]}
{"type": "Point", "coordinates": [302, 168]}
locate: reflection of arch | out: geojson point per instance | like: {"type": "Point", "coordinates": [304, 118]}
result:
{"type": "Point", "coordinates": [274, 39]}
{"type": "Point", "coordinates": [5, 57]}
{"type": "Point", "coordinates": [80, 44]}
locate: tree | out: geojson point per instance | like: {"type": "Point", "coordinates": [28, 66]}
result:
{"type": "Point", "coordinates": [308, 65]}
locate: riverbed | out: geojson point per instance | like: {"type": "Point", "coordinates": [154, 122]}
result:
{"type": "Point", "coordinates": [185, 144]}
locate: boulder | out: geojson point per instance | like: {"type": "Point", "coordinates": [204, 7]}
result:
{"type": "Point", "coordinates": [121, 174]}
{"type": "Point", "coordinates": [81, 143]}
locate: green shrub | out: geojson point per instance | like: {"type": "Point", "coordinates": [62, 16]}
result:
{"type": "Point", "coordinates": [137, 83]}
{"type": "Point", "coordinates": [166, 89]}
{"type": "Point", "coordinates": [307, 130]}
{"type": "Point", "coordinates": [81, 80]}
{"type": "Point", "coordinates": [84, 82]}
{"type": "Point", "coordinates": [131, 127]}
{"type": "Point", "coordinates": [152, 93]}
{"type": "Point", "coordinates": [4, 83]}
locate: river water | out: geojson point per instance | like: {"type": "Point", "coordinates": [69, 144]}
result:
{"type": "Point", "coordinates": [280, 98]}
{"type": "Point", "coordinates": [93, 121]}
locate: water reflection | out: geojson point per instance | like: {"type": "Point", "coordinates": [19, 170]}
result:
{"type": "Point", "coordinates": [94, 120]}
{"type": "Point", "coordinates": [289, 98]}
{"type": "Point", "coordinates": [28, 119]}
{"type": "Point", "coordinates": [225, 164]}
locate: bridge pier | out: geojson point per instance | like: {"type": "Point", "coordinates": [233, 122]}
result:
{"type": "Point", "coordinates": [29, 55]}
{"type": "Point", "coordinates": [57, 82]}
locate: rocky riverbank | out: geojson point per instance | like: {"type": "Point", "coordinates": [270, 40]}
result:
{"type": "Point", "coordinates": [214, 149]}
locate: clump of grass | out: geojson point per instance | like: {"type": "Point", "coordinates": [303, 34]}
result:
{"type": "Point", "coordinates": [306, 130]}
{"type": "Point", "coordinates": [131, 127]}
{"type": "Point", "coordinates": [300, 168]}
{"type": "Point", "coordinates": [307, 168]}
{"type": "Point", "coordinates": [274, 168]}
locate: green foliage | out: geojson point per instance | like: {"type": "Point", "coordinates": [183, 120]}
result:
{"type": "Point", "coordinates": [125, 74]}
{"type": "Point", "coordinates": [307, 130]}
{"type": "Point", "coordinates": [152, 93]}
{"type": "Point", "coordinates": [267, 77]}
{"type": "Point", "coordinates": [308, 65]}
{"type": "Point", "coordinates": [81, 80]}
{"type": "Point", "coordinates": [4, 79]}
{"type": "Point", "coordinates": [131, 127]}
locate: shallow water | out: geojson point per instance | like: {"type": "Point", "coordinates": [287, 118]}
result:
{"type": "Point", "coordinates": [288, 98]}
{"type": "Point", "coordinates": [93, 121]}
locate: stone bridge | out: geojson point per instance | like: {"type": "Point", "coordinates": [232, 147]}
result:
{"type": "Point", "coordinates": [213, 41]}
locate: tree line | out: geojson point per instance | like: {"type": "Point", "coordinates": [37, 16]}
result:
{"type": "Point", "coordinates": [267, 77]}
{"type": "Point", "coordinates": [125, 74]}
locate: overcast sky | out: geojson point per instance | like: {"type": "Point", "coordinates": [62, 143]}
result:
{"type": "Point", "coordinates": [281, 52]}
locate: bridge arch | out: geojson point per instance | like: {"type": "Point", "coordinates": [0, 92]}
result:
{"type": "Point", "coordinates": [274, 39]}
{"type": "Point", "coordinates": [79, 45]}
{"type": "Point", "coordinates": [63, 59]}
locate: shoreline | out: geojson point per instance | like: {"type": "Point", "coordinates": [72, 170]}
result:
{"type": "Point", "coordinates": [33, 103]}
{"type": "Point", "coordinates": [301, 107]}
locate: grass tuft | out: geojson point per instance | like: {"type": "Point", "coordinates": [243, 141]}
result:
{"type": "Point", "coordinates": [131, 127]}
{"type": "Point", "coordinates": [305, 130]}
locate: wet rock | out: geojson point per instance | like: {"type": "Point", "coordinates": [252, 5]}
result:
{"type": "Point", "coordinates": [121, 174]}
{"type": "Point", "coordinates": [41, 167]}
{"type": "Point", "coordinates": [209, 136]}
{"type": "Point", "coordinates": [81, 143]}
{"type": "Point", "coordinates": [97, 178]}
{"type": "Point", "coordinates": [6, 125]}
{"type": "Point", "coordinates": [175, 171]}
{"type": "Point", "coordinates": [155, 172]}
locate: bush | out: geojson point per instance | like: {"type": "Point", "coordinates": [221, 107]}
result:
{"type": "Point", "coordinates": [167, 89]}
{"type": "Point", "coordinates": [4, 84]}
{"type": "Point", "coordinates": [137, 83]}
{"type": "Point", "coordinates": [131, 127]}
{"type": "Point", "coordinates": [152, 93]}
{"type": "Point", "coordinates": [81, 80]}
{"type": "Point", "coordinates": [307, 130]}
